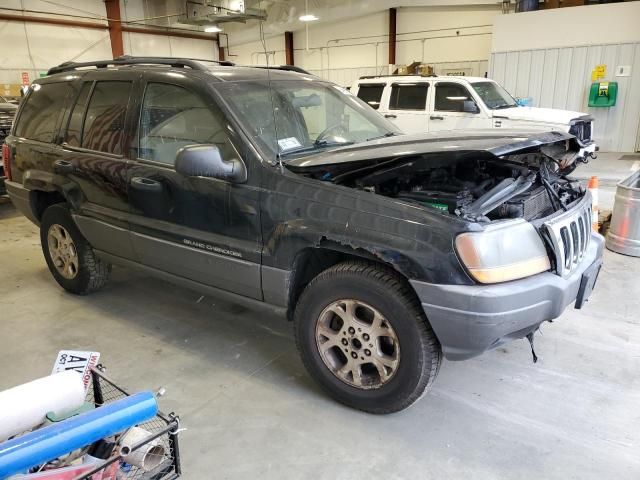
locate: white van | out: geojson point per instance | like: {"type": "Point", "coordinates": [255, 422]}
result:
{"type": "Point", "coordinates": [418, 104]}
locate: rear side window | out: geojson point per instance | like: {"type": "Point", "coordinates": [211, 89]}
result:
{"type": "Point", "coordinates": [371, 94]}
{"type": "Point", "coordinates": [42, 110]}
{"type": "Point", "coordinates": [450, 97]}
{"type": "Point", "coordinates": [408, 96]}
{"type": "Point", "coordinates": [74, 130]}
{"type": "Point", "coordinates": [173, 117]}
{"type": "Point", "coordinates": [103, 128]}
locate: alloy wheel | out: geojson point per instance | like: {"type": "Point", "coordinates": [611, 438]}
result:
{"type": "Point", "coordinates": [62, 250]}
{"type": "Point", "coordinates": [357, 344]}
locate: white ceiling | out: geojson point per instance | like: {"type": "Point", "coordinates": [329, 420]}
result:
{"type": "Point", "coordinates": [283, 14]}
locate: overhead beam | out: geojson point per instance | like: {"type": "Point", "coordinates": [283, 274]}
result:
{"type": "Point", "coordinates": [288, 48]}
{"type": "Point", "coordinates": [52, 21]}
{"type": "Point", "coordinates": [115, 27]}
{"type": "Point", "coordinates": [392, 36]}
{"type": "Point", "coordinates": [170, 33]}
{"type": "Point", "coordinates": [103, 26]}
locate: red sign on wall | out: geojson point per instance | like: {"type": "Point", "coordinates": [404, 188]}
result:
{"type": "Point", "coordinates": [25, 79]}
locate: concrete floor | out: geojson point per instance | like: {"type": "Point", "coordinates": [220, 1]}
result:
{"type": "Point", "coordinates": [251, 410]}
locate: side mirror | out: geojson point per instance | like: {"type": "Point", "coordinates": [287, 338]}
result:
{"type": "Point", "coordinates": [469, 106]}
{"type": "Point", "coordinates": [206, 161]}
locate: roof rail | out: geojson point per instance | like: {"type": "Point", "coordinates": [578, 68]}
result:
{"type": "Point", "coordinates": [193, 63]}
{"type": "Point", "coordinates": [286, 68]}
{"type": "Point", "coordinates": [368, 77]}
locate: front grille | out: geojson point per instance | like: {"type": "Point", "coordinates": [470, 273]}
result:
{"type": "Point", "coordinates": [569, 234]}
{"type": "Point", "coordinates": [582, 130]}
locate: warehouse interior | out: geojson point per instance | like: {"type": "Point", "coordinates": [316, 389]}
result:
{"type": "Point", "coordinates": [231, 370]}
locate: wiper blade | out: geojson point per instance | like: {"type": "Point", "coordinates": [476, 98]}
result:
{"type": "Point", "coordinates": [315, 146]}
{"type": "Point", "coordinates": [506, 105]}
{"type": "Point", "coordinates": [388, 134]}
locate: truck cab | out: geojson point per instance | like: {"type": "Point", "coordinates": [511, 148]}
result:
{"type": "Point", "coordinates": [418, 104]}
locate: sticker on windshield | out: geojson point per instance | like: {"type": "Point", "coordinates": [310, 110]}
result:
{"type": "Point", "coordinates": [288, 143]}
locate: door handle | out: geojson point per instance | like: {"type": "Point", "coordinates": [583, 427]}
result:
{"type": "Point", "coordinates": [390, 115]}
{"type": "Point", "coordinates": [63, 167]}
{"type": "Point", "coordinates": [146, 184]}
{"type": "Point", "coordinates": [436, 117]}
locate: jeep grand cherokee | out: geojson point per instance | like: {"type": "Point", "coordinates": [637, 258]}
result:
{"type": "Point", "coordinates": [284, 191]}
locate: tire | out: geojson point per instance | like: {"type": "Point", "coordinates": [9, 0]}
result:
{"type": "Point", "coordinates": [81, 273]}
{"type": "Point", "coordinates": [405, 358]}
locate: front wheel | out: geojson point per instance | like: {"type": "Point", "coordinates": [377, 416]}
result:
{"type": "Point", "coordinates": [363, 335]}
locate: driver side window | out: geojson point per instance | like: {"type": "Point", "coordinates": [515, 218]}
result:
{"type": "Point", "coordinates": [450, 97]}
{"type": "Point", "coordinates": [173, 117]}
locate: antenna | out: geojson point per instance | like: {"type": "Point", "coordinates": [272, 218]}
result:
{"type": "Point", "coordinates": [273, 107]}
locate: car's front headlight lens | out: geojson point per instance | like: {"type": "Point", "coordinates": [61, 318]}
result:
{"type": "Point", "coordinates": [502, 252]}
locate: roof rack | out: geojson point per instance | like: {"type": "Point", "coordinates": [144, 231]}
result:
{"type": "Point", "coordinates": [193, 63]}
{"type": "Point", "coordinates": [368, 77]}
{"type": "Point", "coordinates": [286, 68]}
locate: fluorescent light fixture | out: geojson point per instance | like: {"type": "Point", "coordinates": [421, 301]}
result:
{"type": "Point", "coordinates": [212, 29]}
{"type": "Point", "coordinates": [308, 17]}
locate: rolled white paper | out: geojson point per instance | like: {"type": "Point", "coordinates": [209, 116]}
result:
{"type": "Point", "coordinates": [26, 406]}
{"type": "Point", "coordinates": [148, 456]}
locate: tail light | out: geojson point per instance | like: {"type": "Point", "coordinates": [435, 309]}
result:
{"type": "Point", "coordinates": [6, 160]}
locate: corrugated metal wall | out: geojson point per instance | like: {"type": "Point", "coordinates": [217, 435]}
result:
{"type": "Point", "coordinates": [561, 77]}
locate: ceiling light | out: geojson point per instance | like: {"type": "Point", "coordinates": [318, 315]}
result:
{"type": "Point", "coordinates": [308, 17]}
{"type": "Point", "coordinates": [212, 29]}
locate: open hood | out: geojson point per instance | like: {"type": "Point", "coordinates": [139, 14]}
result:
{"type": "Point", "coordinates": [480, 176]}
{"type": "Point", "coordinates": [497, 143]}
{"type": "Point", "coordinates": [539, 115]}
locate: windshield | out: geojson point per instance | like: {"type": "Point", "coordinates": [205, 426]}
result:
{"type": "Point", "coordinates": [493, 95]}
{"type": "Point", "coordinates": [302, 116]}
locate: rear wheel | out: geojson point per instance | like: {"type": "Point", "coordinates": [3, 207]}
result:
{"type": "Point", "coordinates": [70, 258]}
{"type": "Point", "coordinates": [363, 335]}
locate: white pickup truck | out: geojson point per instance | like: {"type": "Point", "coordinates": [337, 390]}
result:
{"type": "Point", "coordinates": [419, 104]}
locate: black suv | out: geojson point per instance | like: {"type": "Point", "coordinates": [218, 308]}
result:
{"type": "Point", "coordinates": [285, 191]}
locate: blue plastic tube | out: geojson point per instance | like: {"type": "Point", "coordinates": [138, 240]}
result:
{"type": "Point", "coordinates": [60, 438]}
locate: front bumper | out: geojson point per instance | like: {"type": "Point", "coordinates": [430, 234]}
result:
{"type": "Point", "coordinates": [470, 319]}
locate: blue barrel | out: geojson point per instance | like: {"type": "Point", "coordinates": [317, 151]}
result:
{"type": "Point", "coordinates": [52, 441]}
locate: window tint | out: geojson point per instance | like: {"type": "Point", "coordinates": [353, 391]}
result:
{"type": "Point", "coordinates": [408, 96]}
{"type": "Point", "coordinates": [172, 118]}
{"type": "Point", "coordinates": [371, 94]}
{"type": "Point", "coordinates": [41, 111]}
{"type": "Point", "coordinates": [74, 130]}
{"type": "Point", "coordinates": [450, 97]}
{"type": "Point", "coordinates": [103, 128]}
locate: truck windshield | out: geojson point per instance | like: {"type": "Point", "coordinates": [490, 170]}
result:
{"type": "Point", "coordinates": [493, 95]}
{"type": "Point", "coordinates": [292, 117]}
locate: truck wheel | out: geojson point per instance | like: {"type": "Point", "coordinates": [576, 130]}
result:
{"type": "Point", "coordinates": [362, 334]}
{"type": "Point", "coordinates": [70, 258]}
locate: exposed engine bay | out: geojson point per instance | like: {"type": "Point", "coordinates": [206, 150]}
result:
{"type": "Point", "coordinates": [476, 186]}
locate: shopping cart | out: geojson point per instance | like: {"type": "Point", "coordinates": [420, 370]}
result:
{"type": "Point", "coordinates": [164, 433]}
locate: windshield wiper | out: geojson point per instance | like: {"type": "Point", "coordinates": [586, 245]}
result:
{"type": "Point", "coordinates": [316, 146]}
{"type": "Point", "coordinates": [388, 134]}
{"type": "Point", "coordinates": [505, 105]}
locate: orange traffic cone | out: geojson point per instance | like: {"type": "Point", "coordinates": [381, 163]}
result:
{"type": "Point", "coordinates": [593, 188]}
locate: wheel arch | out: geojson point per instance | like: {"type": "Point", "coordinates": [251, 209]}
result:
{"type": "Point", "coordinates": [313, 260]}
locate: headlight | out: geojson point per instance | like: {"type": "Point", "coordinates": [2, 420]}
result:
{"type": "Point", "coordinates": [502, 252]}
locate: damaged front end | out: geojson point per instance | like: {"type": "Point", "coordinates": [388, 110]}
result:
{"type": "Point", "coordinates": [476, 185]}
